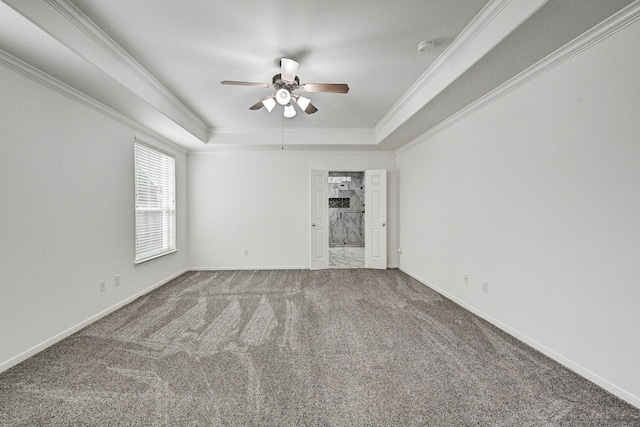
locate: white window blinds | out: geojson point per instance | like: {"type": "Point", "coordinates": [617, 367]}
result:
{"type": "Point", "coordinates": [155, 203]}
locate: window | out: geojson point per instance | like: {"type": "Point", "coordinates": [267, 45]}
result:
{"type": "Point", "coordinates": [155, 203]}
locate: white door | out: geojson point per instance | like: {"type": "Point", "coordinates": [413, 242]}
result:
{"type": "Point", "coordinates": [319, 224]}
{"type": "Point", "coordinates": [375, 218]}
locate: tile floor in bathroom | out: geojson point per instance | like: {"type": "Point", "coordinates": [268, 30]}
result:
{"type": "Point", "coordinates": [346, 257]}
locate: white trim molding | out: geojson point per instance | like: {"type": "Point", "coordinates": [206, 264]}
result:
{"type": "Point", "coordinates": [605, 29]}
{"type": "Point", "coordinates": [65, 22]}
{"type": "Point", "coordinates": [578, 369]}
{"type": "Point", "coordinates": [20, 67]}
{"type": "Point", "coordinates": [72, 330]}
{"type": "Point", "coordinates": [494, 22]}
{"type": "Point", "coordinates": [301, 137]}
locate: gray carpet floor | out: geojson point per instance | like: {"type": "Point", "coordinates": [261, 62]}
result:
{"type": "Point", "coordinates": [320, 348]}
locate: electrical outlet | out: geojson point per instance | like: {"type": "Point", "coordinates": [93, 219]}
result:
{"type": "Point", "coordinates": [485, 287]}
{"type": "Point", "coordinates": [466, 279]}
{"type": "Point", "coordinates": [245, 251]}
{"type": "Point", "coordinates": [103, 285]}
{"type": "Point", "coordinates": [116, 280]}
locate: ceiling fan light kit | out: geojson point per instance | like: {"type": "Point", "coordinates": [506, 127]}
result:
{"type": "Point", "coordinates": [285, 84]}
{"type": "Point", "coordinates": [269, 103]}
{"type": "Point", "coordinates": [303, 102]}
{"type": "Point", "coordinates": [283, 96]}
{"type": "Point", "coordinates": [289, 111]}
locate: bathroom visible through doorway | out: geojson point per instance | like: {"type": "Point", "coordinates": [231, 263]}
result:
{"type": "Point", "coordinates": [346, 219]}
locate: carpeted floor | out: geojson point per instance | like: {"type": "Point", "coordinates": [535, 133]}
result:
{"type": "Point", "coordinates": [350, 347]}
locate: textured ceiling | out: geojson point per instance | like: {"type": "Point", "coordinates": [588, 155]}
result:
{"type": "Point", "coordinates": [160, 62]}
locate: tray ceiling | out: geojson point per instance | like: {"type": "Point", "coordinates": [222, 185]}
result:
{"type": "Point", "coordinates": [160, 62]}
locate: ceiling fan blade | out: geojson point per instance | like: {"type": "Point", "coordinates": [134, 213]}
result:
{"type": "Point", "coordinates": [310, 109]}
{"type": "Point", "coordinates": [269, 102]}
{"type": "Point", "coordinates": [325, 87]}
{"type": "Point", "coordinates": [236, 83]}
{"type": "Point", "coordinates": [258, 105]}
{"type": "Point", "coordinates": [289, 70]}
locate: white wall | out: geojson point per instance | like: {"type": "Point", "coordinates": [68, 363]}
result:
{"type": "Point", "coordinates": [260, 201]}
{"type": "Point", "coordinates": [539, 194]}
{"type": "Point", "coordinates": [66, 217]}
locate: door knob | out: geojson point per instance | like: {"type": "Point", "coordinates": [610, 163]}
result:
{"type": "Point", "coordinates": [313, 224]}
{"type": "Point", "coordinates": [384, 223]}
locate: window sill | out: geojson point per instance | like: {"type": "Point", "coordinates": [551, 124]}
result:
{"type": "Point", "coordinates": [153, 257]}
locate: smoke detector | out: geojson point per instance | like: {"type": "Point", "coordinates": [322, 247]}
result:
{"type": "Point", "coordinates": [425, 46]}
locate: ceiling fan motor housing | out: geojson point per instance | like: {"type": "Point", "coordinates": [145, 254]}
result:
{"type": "Point", "coordinates": [279, 83]}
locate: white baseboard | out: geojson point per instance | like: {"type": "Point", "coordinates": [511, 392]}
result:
{"type": "Point", "coordinates": [249, 267]}
{"type": "Point", "coordinates": [578, 369]}
{"type": "Point", "coordinates": [64, 334]}
{"type": "Point", "coordinates": [271, 267]}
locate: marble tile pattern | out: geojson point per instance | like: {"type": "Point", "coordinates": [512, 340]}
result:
{"type": "Point", "coordinates": [346, 257]}
{"type": "Point", "coordinates": [346, 224]}
{"type": "Point", "coordinates": [339, 202]}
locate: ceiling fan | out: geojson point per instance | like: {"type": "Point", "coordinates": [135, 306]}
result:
{"type": "Point", "coordinates": [285, 84]}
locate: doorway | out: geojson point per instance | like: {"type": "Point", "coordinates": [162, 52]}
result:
{"type": "Point", "coordinates": [346, 219]}
{"type": "Point", "coordinates": [374, 219]}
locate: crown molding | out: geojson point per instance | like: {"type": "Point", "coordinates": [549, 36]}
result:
{"type": "Point", "coordinates": [258, 136]}
{"type": "Point", "coordinates": [494, 22]}
{"type": "Point", "coordinates": [260, 130]}
{"type": "Point", "coordinates": [65, 22]}
{"type": "Point", "coordinates": [20, 67]}
{"type": "Point", "coordinates": [601, 31]}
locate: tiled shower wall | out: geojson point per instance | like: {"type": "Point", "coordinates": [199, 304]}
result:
{"type": "Point", "coordinates": [346, 210]}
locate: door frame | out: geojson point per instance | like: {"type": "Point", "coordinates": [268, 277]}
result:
{"type": "Point", "coordinates": [319, 222]}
